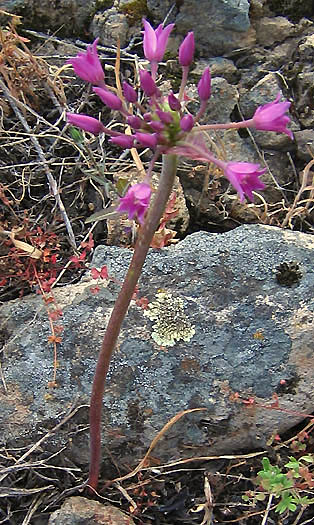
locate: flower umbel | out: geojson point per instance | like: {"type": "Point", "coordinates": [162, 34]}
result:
{"type": "Point", "coordinates": [161, 123]}
{"type": "Point", "coordinates": [136, 201]}
{"type": "Point", "coordinates": [271, 117]}
{"type": "Point", "coordinates": [87, 65]}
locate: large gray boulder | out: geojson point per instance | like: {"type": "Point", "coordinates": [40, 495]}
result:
{"type": "Point", "coordinates": [221, 326]}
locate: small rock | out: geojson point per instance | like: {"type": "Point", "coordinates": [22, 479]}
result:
{"type": "Point", "coordinates": [219, 67]}
{"type": "Point", "coordinates": [110, 26]}
{"type": "Point", "coordinates": [83, 511]}
{"type": "Point", "coordinates": [271, 30]}
{"type": "Point", "coordinates": [305, 144]}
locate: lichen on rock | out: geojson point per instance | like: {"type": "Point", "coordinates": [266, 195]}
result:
{"type": "Point", "coordinates": [171, 323]}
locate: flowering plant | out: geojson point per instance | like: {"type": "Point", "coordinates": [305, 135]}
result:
{"type": "Point", "coordinates": [163, 125]}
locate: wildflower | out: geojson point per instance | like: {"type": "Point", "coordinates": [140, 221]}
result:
{"type": "Point", "coordinates": [129, 92]}
{"type": "Point", "coordinates": [110, 99]}
{"type": "Point", "coordinates": [148, 140]}
{"type": "Point", "coordinates": [164, 116]}
{"type": "Point", "coordinates": [204, 85]}
{"type": "Point", "coordinates": [174, 102]}
{"type": "Point", "coordinates": [136, 201]}
{"type": "Point", "coordinates": [134, 121]}
{"type": "Point", "coordinates": [187, 123]}
{"type": "Point", "coordinates": [244, 177]}
{"type": "Point", "coordinates": [156, 125]}
{"type": "Point", "coordinates": [186, 50]}
{"type": "Point", "coordinates": [147, 83]}
{"type": "Point", "coordinates": [271, 117]}
{"type": "Point", "coordinates": [90, 124]}
{"type": "Point", "coordinates": [155, 41]}
{"type": "Point", "coordinates": [124, 141]}
{"type": "Point", "coordinates": [87, 65]}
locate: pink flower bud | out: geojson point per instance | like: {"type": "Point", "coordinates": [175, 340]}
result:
{"type": "Point", "coordinates": [148, 140]}
{"type": "Point", "coordinates": [124, 141]}
{"type": "Point", "coordinates": [174, 102]}
{"type": "Point", "coordinates": [134, 121]}
{"type": "Point", "coordinates": [164, 116]}
{"type": "Point", "coordinates": [187, 123]}
{"type": "Point", "coordinates": [147, 117]}
{"type": "Point", "coordinates": [85, 122]}
{"type": "Point", "coordinates": [147, 83]}
{"type": "Point", "coordinates": [186, 50]}
{"type": "Point", "coordinates": [110, 99]}
{"type": "Point", "coordinates": [204, 85]}
{"type": "Point", "coordinates": [129, 92]}
{"type": "Point", "coordinates": [87, 65]}
{"type": "Point", "coordinates": [156, 125]}
{"type": "Point", "coordinates": [155, 41]}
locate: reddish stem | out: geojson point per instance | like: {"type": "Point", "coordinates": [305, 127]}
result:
{"type": "Point", "coordinates": [168, 173]}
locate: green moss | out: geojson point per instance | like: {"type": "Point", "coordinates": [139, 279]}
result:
{"type": "Point", "coordinates": [135, 10]}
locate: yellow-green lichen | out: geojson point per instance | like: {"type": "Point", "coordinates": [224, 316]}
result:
{"type": "Point", "coordinates": [171, 323]}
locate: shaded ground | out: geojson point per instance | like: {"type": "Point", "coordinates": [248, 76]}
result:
{"type": "Point", "coordinates": [183, 492]}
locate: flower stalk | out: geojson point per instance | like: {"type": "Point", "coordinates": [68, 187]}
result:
{"type": "Point", "coordinates": [167, 177]}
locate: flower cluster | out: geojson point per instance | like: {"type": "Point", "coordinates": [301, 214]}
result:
{"type": "Point", "coordinates": [163, 123]}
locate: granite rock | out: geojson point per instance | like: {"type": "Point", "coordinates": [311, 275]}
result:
{"type": "Point", "coordinates": [253, 336]}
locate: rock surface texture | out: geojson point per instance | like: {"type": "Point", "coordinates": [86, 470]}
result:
{"type": "Point", "coordinates": [240, 326]}
{"type": "Point", "coordinates": [82, 511]}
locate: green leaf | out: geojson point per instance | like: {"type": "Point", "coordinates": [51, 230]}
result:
{"type": "Point", "coordinates": [122, 186]}
{"type": "Point", "coordinates": [107, 213]}
{"type": "Point", "coordinates": [266, 464]}
{"type": "Point", "coordinates": [76, 135]}
{"type": "Point", "coordinates": [309, 458]}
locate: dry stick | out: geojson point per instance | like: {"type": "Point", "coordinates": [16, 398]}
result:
{"type": "Point", "coordinates": [167, 177]}
{"type": "Point", "coordinates": [51, 181]}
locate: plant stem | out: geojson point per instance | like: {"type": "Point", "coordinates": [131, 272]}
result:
{"type": "Point", "coordinates": [168, 173]}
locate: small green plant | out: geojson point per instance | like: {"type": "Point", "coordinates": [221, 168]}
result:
{"type": "Point", "coordinates": [285, 486]}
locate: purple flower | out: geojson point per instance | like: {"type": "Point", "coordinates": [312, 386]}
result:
{"type": "Point", "coordinates": [147, 83]}
{"type": "Point", "coordinates": [124, 141]}
{"type": "Point", "coordinates": [155, 41]}
{"type": "Point", "coordinates": [164, 116]}
{"type": "Point", "coordinates": [87, 65]}
{"type": "Point", "coordinates": [129, 93]}
{"type": "Point", "coordinates": [186, 50]}
{"type": "Point", "coordinates": [174, 102]}
{"type": "Point", "coordinates": [244, 177]}
{"type": "Point", "coordinates": [110, 99]}
{"type": "Point", "coordinates": [148, 140]}
{"type": "Point", "coordinates": [271, 117]}
{"type": "Point", "coordinates": [204, 85]}
{"type": "Point", "coordinates": [156, 125]}
{"type": "Point", "coordinates": [136, 201]}
{"type": "Point", "coordinates": [90, 124]}
{"type": "Point", "coordinates": [134, 121]}
{"type": "Point", "coordinates": [187, 123]}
